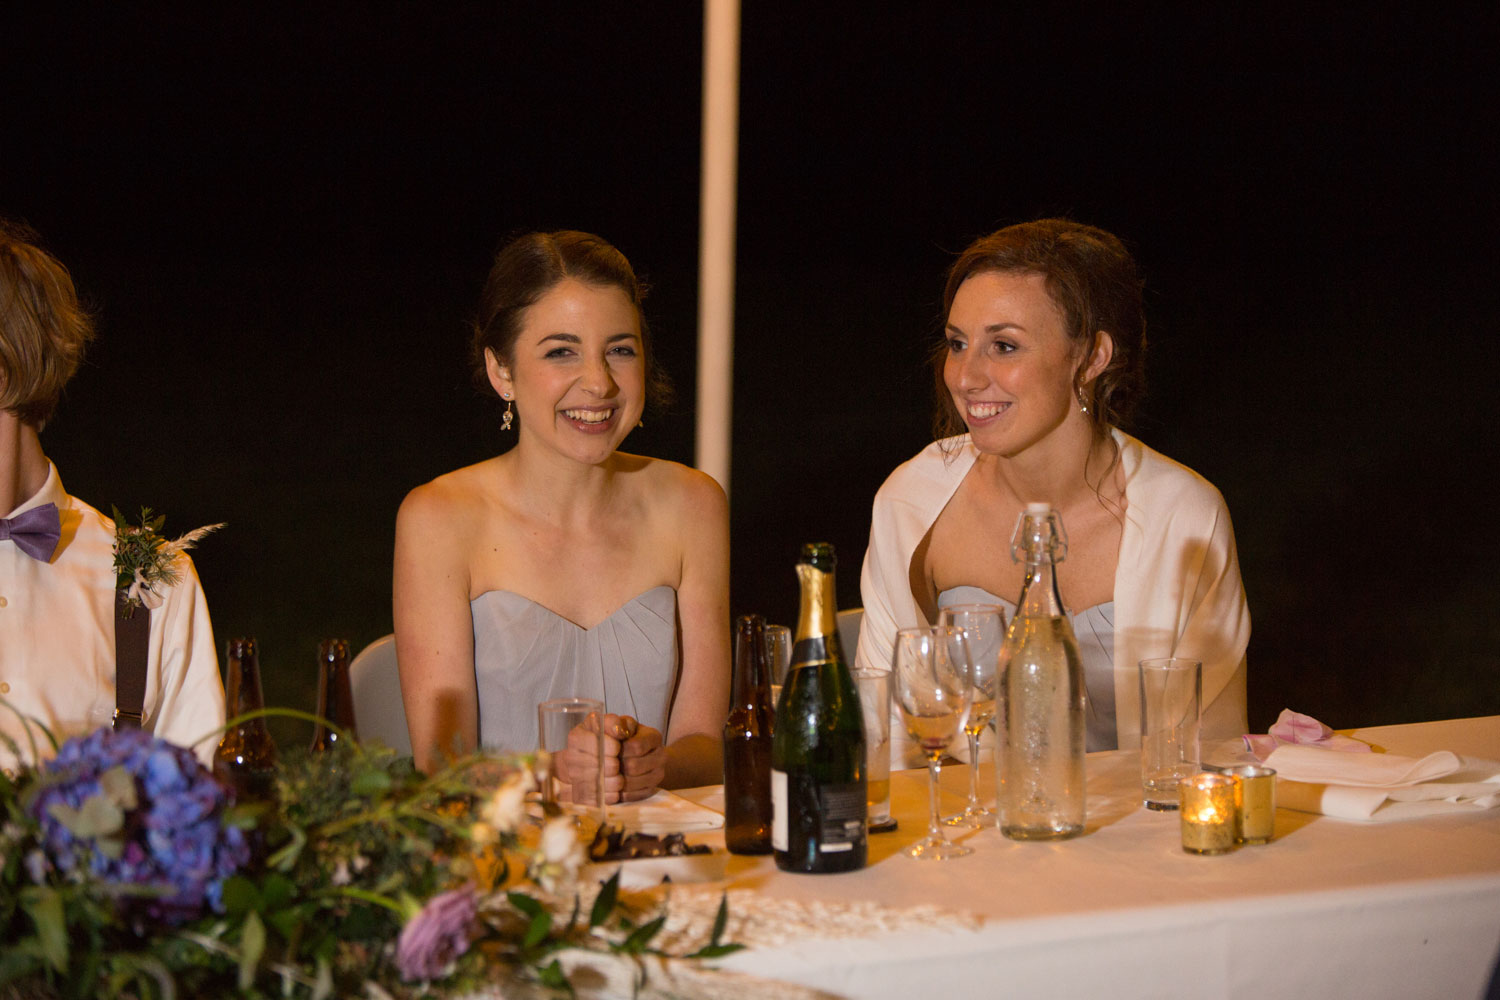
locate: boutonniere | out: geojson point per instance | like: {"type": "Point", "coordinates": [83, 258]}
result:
{"type": "Point", "coordinates": [146, 564]}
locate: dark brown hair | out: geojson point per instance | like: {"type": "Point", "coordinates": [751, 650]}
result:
{"type": "Point", "coordinates": [1096, 286]}
{"type": "Point", "coordinates": [532, 265]}
{"type": "Point", "coordinates": [43, 329]}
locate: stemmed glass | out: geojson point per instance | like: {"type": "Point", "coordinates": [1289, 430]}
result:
{"type": "Point", "coordinates": [932, 689]}
{"type": "Point", "coordinates": [983, 627]}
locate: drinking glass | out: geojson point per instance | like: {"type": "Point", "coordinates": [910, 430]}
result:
{"type": "Point", "coordinates": [1171, 707]}
{"type": "Point", "coordinates": [874, 685]}
{"type": "Point", "coordinates": [572, 777]}
{"type": "Point", "coordinates": [983, 627]}
{"type": "Point", "coordinates": [931, 686]}
{"type": "Point", "coordinates": [779, 650]}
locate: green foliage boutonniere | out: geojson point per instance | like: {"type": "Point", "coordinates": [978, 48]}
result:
{"type": "Point", "coordinates": [146, 564]}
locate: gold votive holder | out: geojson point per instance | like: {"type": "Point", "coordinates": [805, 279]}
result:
{"type": "Point", "coordinates": [1257, 802]}
{"type": "Point", "coordinates": [1206, 803]}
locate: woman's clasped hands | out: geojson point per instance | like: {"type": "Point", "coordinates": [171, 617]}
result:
{"type": "Point", "coordinates": [633, 759]}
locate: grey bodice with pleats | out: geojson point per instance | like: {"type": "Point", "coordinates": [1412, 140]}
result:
{"type": "Point", "coordinates": [1095, 630]}
{"type": "Point", "coordinates": [525, 654]}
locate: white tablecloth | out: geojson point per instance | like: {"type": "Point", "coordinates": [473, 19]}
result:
{"type": "Point", "coordinates": [1329, 909]}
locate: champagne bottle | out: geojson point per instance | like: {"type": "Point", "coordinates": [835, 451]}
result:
{"type": "Point", "coordinates": [818, 742]}
{"type": "Point", "coordinates": [335, 699]}
{"type": "Point", "coordinates": [246, 758]}
{"type": "Point", "coordinates": [747, 743]}
{"type": "Point", "coordinates": [1041, 685]}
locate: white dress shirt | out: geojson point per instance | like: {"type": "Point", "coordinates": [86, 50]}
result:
{"type": "Point", "coordinates": [57, 641]}
{"type": "Point", "coordinates": [1177, 583]}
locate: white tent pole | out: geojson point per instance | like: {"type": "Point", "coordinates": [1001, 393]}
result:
{"type": "Point", "coordinates": [716, 218]}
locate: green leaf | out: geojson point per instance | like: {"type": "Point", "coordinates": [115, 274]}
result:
{"type": "Point", "coordinates": [285, 858]}
{"type": "Point", "coordinates": [252, 947]}
{"type": "Point", "coordinates": [604, 903]}
{"type": "Point", "coordinates": [536, 933]}
{"type": "Point", "coordinates": [370, 783]}
{"type": "Point", "coordinates": [552, 976]}
{"type": "Point", "coordinates": [525, 903]}
{"type": "Point", "coordinates": [716, 950]}
{"type": "Point", "coordinates": [240, 895]}
{"type": "Point", "coordinates": [45, 907]}
{"type": "Point", "coordinates": [721, 919]}
{"type": "Point", "coordinates": [641, 936]}
{"type": "Point", "coordinates": [276, 891]}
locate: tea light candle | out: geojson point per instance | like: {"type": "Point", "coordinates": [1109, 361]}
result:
{"type": "Point", "coordinates": [1257, 802]}
{"type": "Point", "coordinates": [1206, 805]}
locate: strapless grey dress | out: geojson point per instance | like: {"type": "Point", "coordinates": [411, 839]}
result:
{"type": "Point", "coordinates": [1094, 628]}
{"type": "Point", "coordinates": [525, 654]}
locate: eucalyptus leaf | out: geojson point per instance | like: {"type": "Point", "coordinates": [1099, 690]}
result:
{"type": "Point", "coordinates": [641, 936]}
{"type": "Point", "coordinates": [45, 907]}
{"type": "Point", "coordinates": [252, 947]}
{"type": "Point", "coordinates": [604, 903]}
{"type": "Point", "coordinates": [119, 787]}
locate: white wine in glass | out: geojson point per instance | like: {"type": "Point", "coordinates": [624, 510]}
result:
{"type": "Point", "coordinates": [983, 628]}
{"type": "Point", "coordinates": [932, 688]}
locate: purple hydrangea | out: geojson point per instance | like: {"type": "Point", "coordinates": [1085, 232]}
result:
{"type": "Point", "coordinates": [436, 936]}
{"type": "Point", "coordinates": [168, 830]}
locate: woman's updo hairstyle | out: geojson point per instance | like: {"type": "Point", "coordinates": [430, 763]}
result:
{"type": "Point", "coordinates": [1096, 286]}
{"type": "Point", "coordinates": [529, 267]}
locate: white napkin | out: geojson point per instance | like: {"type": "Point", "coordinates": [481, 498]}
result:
{"type": "Point", "coordinates": [1378, 787]}
{"type": "Point", "coordinates": [664, 812]}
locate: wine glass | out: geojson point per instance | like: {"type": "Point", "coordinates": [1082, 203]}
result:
{"type": "Point", "coordinates": [932, 688]}
{"type": "Point", "coordinates": [983, 627]}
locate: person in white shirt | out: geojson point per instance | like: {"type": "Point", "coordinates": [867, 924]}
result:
{"type": "Point", "coordinates": [1042, 359]}
{"type": "Point", "coordinates": [57, 575]}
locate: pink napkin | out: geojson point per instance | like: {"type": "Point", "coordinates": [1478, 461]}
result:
{"type": "Point", "coordinates": [1296, 729]}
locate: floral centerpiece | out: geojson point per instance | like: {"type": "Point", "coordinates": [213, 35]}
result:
{"type": "Point", "coordinates": [126, 870]}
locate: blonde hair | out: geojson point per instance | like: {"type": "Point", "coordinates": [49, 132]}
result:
{"type": "Point", "coordinates": [44, 331]}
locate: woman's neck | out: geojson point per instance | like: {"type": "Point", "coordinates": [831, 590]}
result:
{"type": "Point", "coordinates": [1062, 472]}
{"type": "Point", "coordinates": [23, 467]}
{"type": "Point", "coordinates": [558, 489]}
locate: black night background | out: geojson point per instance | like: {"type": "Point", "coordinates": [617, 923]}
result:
{"type": "Point", "coordinates": [283, 219]}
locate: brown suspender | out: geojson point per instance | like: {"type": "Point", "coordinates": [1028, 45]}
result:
{"type": "Point", "coordinates": [132, 644]}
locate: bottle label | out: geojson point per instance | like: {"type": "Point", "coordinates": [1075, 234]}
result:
{"type": "Point", "coordinates": [779, 840]}
{"type": "Point", "coordinates": [843, 817]}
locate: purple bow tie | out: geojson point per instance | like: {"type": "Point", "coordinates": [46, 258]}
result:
{"type": "Point", "coordinates": [37, 531]}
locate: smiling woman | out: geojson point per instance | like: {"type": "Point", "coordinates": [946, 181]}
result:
{"type": "Point", "coordinates": [1041, 359]}
{"type": "Point", "coordinates": [565, 567]}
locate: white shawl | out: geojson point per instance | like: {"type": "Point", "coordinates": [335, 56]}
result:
{"type": "Point", "coordinates": [1177, 585]}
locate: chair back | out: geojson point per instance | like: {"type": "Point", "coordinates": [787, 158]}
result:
{"type": "Point", "coordinates": [376, 685]}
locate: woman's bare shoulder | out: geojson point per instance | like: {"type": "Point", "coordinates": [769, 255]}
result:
{"type": "Point", "coordinates": [680, 488]}
{"type": "Point", "coordinates": [453, 499]}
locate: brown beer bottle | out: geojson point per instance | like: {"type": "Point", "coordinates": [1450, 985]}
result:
{"type": "Point", "coordinates": [246, 757]}
{"type": "Point", "coordinates": [747, 743]}
{"type": "Point", "coordinates": [335, 699]}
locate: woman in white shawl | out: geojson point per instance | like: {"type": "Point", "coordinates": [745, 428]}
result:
{"type": "Point", "coordinates": [1042, 358]}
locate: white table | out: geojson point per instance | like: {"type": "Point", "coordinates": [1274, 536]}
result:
{"type": "Point", "coordinates": [1329, 909]}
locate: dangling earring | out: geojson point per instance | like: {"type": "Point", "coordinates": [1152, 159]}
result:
{"type": "Point", "coordinates": [1083, 403]}
{"type": "Point", "coordinates": [505, 421]}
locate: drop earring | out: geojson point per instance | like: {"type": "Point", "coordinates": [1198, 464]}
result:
{"type": "Point", "coordinates": [1083, 403]}
{"type": "Point", "coordinates": [505, 421]}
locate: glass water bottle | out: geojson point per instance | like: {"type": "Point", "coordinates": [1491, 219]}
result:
{"type": "Point", "coordinates": [1041, 789]}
